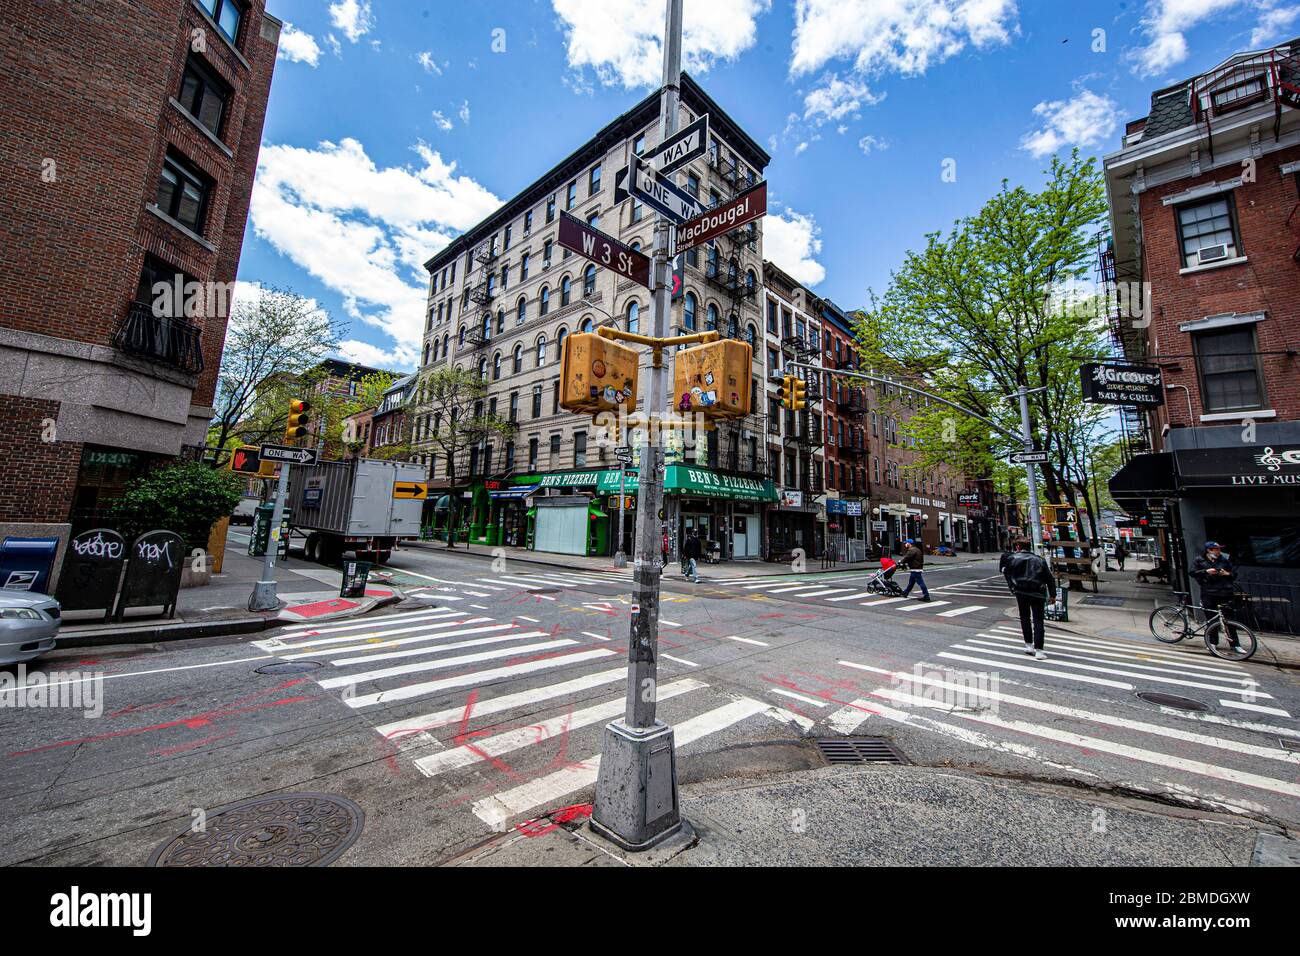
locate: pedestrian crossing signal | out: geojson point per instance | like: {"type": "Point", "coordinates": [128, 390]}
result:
{"type": "Point", "coordinates": [299, 416]}
{"type": "Point", "coordinates": [246, 460]}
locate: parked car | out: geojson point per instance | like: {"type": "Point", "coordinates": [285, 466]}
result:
{"type": "Point", "coordinates": [29, 625]}
{"type": "Point", "coordinates": [243, 513]}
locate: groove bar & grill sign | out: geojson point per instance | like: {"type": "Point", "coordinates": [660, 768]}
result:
{"type": "Point", "coordinates": [1105, 384]}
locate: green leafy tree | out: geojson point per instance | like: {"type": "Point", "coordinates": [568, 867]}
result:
{"type": "Point", "coordinates": [187, 497]}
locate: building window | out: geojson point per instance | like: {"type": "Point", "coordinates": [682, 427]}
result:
{"type": "Point", "coordinates": [638, 210]}
{"type": "Point", "coordinates": [688, 312]}
{"type": "Point", "coordinates": [227, 13]}
{"type": "Point", "coordinates": [555, 445]}
{"type": "Point", "coordinates": [514, 406]}
{"type": "Point", "coordinates": [638, 144]}
{"type": "Point", "coordinates": [204, 95]}
{"type": "Point", "coordinates": [579, 449]}
{"type": "Point", "coordinates": [1207, 231]}
{"type": "Point", "coordinates": [693, 185]}
{"type": "Point", "coordinates": [532, 453]}
{"type": "Point", "coordinates": [555, 408]}
{"type": "Point", "coordinates": [594, 220]}
{"type": "Point", "coordinates": [589, 281]}
{"type": "Point", "coordinates": [546, 255]}
{"type": "Point", "coordinates": [517, 360]}
{"type": "Point", "coordinates": [566, 289]}
{"type": "Point", "coordinates": [751, 334]}
{"type": "Point", "coordinates": [550, 214]}
{"type": "Point", "coordinates": [506, 243]}
{"type": "Point", "coordinates": [537, 401]}
{"type": "Point", "coordinates": [182, 194]}
{"type": "Point", "coordinates": [545, 301]}
{"type": "Point", "coordinates": [541, 351]}
{"type": "Point", "coordinates": [528, 222]}
{"type": "Point", "coordinates": [711, 318]}
{"type": "Point", "coordinates": [523, 268]}
{"type": "Point", "coordinates": [1229, 370]}
{"type": "Point", "coordinates": [633, 316]}
{"type": "Point", "coordinates": [559, 342]}
{"type": "Point", "coordinates": [593, 180]}
{"type": "Point", "coordinates": [521, 312]}
{"type": "Point", "coordinates": [571, 197]}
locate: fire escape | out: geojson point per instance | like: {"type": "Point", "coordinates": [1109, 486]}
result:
{"type": "Point", "coordinates": [1128, 341]}
{"type": "Point", "coordinates": [1264, 78]}
{"type": "Point", "coordinates": [483, 293]}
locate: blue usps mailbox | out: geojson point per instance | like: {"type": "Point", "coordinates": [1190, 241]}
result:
{"type": "Point", "coordinates": [26, 563]}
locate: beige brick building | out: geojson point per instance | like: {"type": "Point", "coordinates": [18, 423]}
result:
{"type": "Point", "coordinates": [504, 295]}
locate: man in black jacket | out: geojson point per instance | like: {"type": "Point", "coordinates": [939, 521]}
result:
{"type": "Point", "coordinates": [1213, 572]}
{"type": "Point", "coordinates": [913, 560]}
{"type": "Point", "coordinates": [691, 554]}
{"type": "Point", "coordinates": [1031, 581]}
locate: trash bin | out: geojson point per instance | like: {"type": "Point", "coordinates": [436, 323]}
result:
{"type": "Point", "coordinates": [355, 575]}
{"type": "Point", "coordinates": [26, 563]}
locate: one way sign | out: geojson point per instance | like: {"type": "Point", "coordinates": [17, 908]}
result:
{"type": "Point", "coordinates": [661, 194]}
{"type": "Point", "coordinates": [1029, 458]}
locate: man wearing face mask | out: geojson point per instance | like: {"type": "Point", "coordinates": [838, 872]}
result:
{"type": "Point", "coordinates": [1213, 571]}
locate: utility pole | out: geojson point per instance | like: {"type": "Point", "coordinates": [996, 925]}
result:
{"type": "Point", "coordinates": [1027, 434]}
{"type": "Point", "coordinates": [636, 791]}
{"type": "Point", "coordinates": [264, 597]}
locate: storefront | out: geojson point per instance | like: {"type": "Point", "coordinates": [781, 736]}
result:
{"type": "Point", "coordinates": [846, 528]}
{"type": "Point", "coordinates": [793, 523]}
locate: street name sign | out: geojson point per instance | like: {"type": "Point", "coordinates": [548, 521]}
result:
{"type": "Point", "coordinates": [678, 150]}
{"type": "Point", "coordinates": [745, 208]}
{"type": "Point", "coordinates": [660, 194]}
{"type": "Point", "coordinates": [591, 243]}
{"type": "Point", "coordinates": [1029, 458]}
{"type": "Point", "coordinates": [411, 489]}
{"type": "Point", "coordinates": [297, 456]}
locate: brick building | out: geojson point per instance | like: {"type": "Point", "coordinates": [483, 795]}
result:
{"type": "Point", "coordinates": [127, 155]}
{"type": "Point", "coordinates": [1205, 209]}
{"type": "Point", "coordinates": [847, 450]}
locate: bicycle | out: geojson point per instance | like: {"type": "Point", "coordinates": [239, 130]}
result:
{"type": "Point", "coordinates": [1172, 623]}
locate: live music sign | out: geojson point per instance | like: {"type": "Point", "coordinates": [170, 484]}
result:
{"type": "Point", "coordinates": [603, 250]}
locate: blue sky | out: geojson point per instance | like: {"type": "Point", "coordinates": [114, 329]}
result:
{"type": "Point", "coordinates": [394, 125]}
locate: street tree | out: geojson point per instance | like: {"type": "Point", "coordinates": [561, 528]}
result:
{"type": "Point", "coordinates": [272, 340]}
{"type": "Point", "coordinates": [1002, 301]}
{"type": "Point", "coordinates": [453, 398]}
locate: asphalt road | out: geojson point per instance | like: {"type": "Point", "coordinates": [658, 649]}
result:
{"type": "Point", "coordinates": [449, 721]}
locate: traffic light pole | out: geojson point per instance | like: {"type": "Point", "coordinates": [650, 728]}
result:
{"type": "Point", "coordinates": [636, 803]}
{"type": "Point", "coordinates": [264, 597]}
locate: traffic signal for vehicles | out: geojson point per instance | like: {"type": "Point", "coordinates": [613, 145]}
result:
{"type": "Point", "coordinates": [793, 393]}
{"type": "Point", "coordinates": [299, 416]}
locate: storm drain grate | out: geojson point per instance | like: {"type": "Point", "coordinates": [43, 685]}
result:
{"type": "Point", "coordinates": [288, 667]}
{"type": "Point", "coordinates": [1104, 601]}
{"type": "Point", "coordinates": [859, 750]}
{"type": "Point", "coordinates": [294, 829]}
{"type": "Point", "coordinates": [1171, 700]}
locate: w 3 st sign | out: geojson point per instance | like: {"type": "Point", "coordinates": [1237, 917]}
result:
{"type": "Point", "coordinates": [591, 243]}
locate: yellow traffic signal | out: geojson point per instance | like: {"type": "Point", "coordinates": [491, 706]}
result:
{"type": "Point", "coordinates": [799, 396]}
{"type": "Point", "coordinates": [786, 392]}
{"type": "Point", "coordinates": [299, 416]}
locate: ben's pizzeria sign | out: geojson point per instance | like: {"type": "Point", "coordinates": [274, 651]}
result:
{"type": "Point", "coordinates": [1122, 384]}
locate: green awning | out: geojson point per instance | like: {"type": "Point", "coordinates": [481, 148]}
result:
{"type": "Point", "coordinates": [703, 483]}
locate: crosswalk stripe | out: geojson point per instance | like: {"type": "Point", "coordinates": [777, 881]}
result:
{"type": "Point", "coordinates": [443, 664]}
{"type": "Point", "coordinates": [1131, 648]}
{"type": "Point", "coordinates": [1258, 708]}
{"type": "Point", "coordinates": [679, 660]}
{"type": "Point", "coordinates": [420, 638]}
{"type": "Point", "coordinates": [746, 640]}
{"type": "Point", "coordinates": [795, 588]}
{"type": "Point", "coordinates": [501, 807]}
{"type": "Point", "coordinates": [1184, 663]}
{"type": "Point", "coordinates": [1092, 717]}
{"type": "Point", "coordinates": [483, 748]}
{"type": "Point", "coordinates": [322, 643]}
{"type": "Point", "coordinates": [398, 729]}
{"type": "Point", "coordinates": [1159, 667]}
{"type": "Point", "coordinates": [475, 678]}
{"type": "Point", "coordinates": [1113, 670]}
{"type": "Point", "coordinates": [959, 611]}
{"type": "Point", "coordinates": [849, 717]}
{"type": "Point", "coordinates": [1231, 722]}
{"type": "Point", "coordinates": [850, 597]}
{"type": "Point", "coordinates": [893, 600]}
{"type": "Point", "coordinates": [599, 637]}
{"type": "Point", "coordinates": [928, 605]}
{"type": "Point", "coordinates": [440, 648]}
{"type": "Point", "coordinates": [517, 582]}
{"type": "Point", "coordinates": [1036, 670]}
{"type": "Point", "coordinates": [811, 701]}
{"type": "Point", "coordinates": [821, 592]}
{"type": "Point", "coordinates": [315, 629]}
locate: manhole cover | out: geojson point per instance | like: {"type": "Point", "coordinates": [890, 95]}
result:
{"type": "Point", "coordinates": [1104, 601]}
{"type": "Point", "coordinates": [287, 667]}
{"type": "Point", "coordinates": [296, 829]}
{"type": "Point", "coordinates": [859, 750]}
{"type": "Point", "coordinates": [1171, 700]}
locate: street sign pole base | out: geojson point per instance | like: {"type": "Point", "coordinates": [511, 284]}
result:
{"type": "Point", "coordinates": [264, 597]}
{"type": "Point", "coordinates": [620, 560]}
{"type": "Point", "coordinates": [636, 804]}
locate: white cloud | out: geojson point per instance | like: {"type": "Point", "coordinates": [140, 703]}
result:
{"type": "Point", "coordinates": [298, 46]}
{"type": "Point", "coordinates": [790, 241]}
{"type": "Point", "coordinates": [430, 65]}
{"type": "Point", "coordinates": [353, 17]}
{"type": "Point", "coordinates": [335, 46]}
{"type": "Point", "coordinates": [622, 40]}
{"type": "Point", "coordinates": [905, 36]}
{"type": "Point", "coordinates": [464, 112]}
{"type": "Point", "coordinates": [1274, 23]}
{"type": "Point", "coordinates": [365, 231]}
{"type": "Point", "coordinates": [841, 129]}
{"type": "Point", "coordinates": [1085, 120]}
{"type": "Point", "coordinates": [1166, 23]}
{"type": "Point", "coordinates": [837, 99]}
{"type": "Point", "coordinates": [801, 147]}
{"type": "Point", "coordinates": [442, 122]}
{"type": "Point", "coordinates": [872, 144]}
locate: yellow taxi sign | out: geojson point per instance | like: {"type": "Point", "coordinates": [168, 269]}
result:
{"type": "Point", "coordinates": [411, 489]}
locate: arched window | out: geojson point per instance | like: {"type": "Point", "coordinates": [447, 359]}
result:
{"type": "Point", "coordinates": [545, 300]}
{"type": "Point", "coordinates": [487, 326]}
{"type": "Point", "coordinates": [501, 321]}
{"type": "Point", "coordinates": [688, 312]}
{"type": "Point", "coordinates": [587, 325]}
{"type": "Point", "coordinates": [517, 360]}
{"type": "Point", "coordinates": [565, 288]}
{"type": "Point", "coordinates": [711, 318]}
{"type": "Point", "coordinates": [461, 343]}
{"type": "Point", "coordinates": [521, 311]}
{"type": "Point", "coordinates": [751, 280]}
{"type": "Point", "coordinates": [444, 345]}
{"type": "Point", "coordinates": [589, 281]}
{"type": "Point", "coordinates": [751, 335]}
{"type": "Point", "coordinates": [426, 353]}
{"type": "Point", "coordinates": [559, 343]}
{"type": "Point", "coordinates": [496, 366]}
{"type": "Point", "coordinates": [482, 368]}
{"type": "Point", "coordinates": [633, 316]}
{"type": "Point", "coordinates": [541, 351]}
{"type": "Point", "coordinates": [636, 246]}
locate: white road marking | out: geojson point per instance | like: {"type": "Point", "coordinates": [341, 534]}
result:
{"type": "Point", "coordinates": [797, 588]}
{"type": "Point", "coordinates": [156, 670]}
{"type": "Point", "coordinates": [1241, 705]}
{"type": "Point", "coordinates": [517, 582]}
{"type": "Point", "coordinates": [599, 637]}
{"type": "Point", "coordinates": [849, 717]}
{"type": "Point", "coordinates": [959, 611]}
{"type": "Point", "coordinates": [812, 701]}
{"type": "Point", "coordinates": [1158, 666]}
{"type": "Point", "coordinates": [422, 628]}
{"type": "Point", "coordinates": [475, 677]}
{"type": "Point", "coordinates": [821, 592]}
{"type": "Point", "coordinates": [679, 660]}
{"type": "Point", "coordinates": [1147, 652]}
{"type": "Point", "coordinates": [850, 597]}
{"type": "Point", "coordinates": [893, 600]}
{"type": "Point", "coordinates": [1231, 722]}
{"type": "Point", "coordinates": [440, 648]}
{"type": "Point", "coordinates": [398, 671]}
{"type": "Point", "coordinates": [931, 605]}
{"type": "Point", "coordinates": [525, 617]}
{"type": "Point", "coordinates": [431, 613]}
{"type": "Point", "coordinates": [664, 620]}
{"type": "Point", "coordinates": [746, 640]}
{"type": "Point", "coordinates": [1036, 670]}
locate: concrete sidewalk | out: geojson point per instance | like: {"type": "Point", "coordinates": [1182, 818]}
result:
{"type": "Point", "coordinates": [726, 569]}
{"type": "Point", "coordinates": [1124, 606]}
{"type": "Point", "coordinates": [906, 816]}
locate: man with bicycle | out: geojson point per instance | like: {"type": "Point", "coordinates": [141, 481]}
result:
{"type": "Point", "coordinates": [1213, 571]}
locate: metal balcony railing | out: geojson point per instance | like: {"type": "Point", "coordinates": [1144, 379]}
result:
{"type": "Point", "coordinates": [482, 295]}
{"type": "Point", "coordinates": [162, 339]}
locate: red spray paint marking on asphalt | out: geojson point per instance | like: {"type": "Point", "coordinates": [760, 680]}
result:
{"type": "Point", "coordinates": [137, 708]}
{"type": "Point", "coordinates": [181, 748]}
{"type": "Point", "coordinates": [535, 827]}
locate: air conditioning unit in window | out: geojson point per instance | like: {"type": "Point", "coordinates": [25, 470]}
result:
{"type": "Point", "coordinates": [1207, 254]}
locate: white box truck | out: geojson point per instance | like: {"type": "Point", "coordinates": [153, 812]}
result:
{"type": "Point", "coordinates": [343, 506]}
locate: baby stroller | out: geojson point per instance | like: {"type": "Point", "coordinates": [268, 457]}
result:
{"type": "Point", "coordinates": [882, 582]}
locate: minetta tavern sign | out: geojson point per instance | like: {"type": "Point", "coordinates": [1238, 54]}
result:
{"type": "Point", "coordinates": [1251, 466]}
{"type": "Point", "coordinates": [1122, 384]}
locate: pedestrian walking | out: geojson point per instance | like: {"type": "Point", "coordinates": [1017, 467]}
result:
{"type": "Point", "coordinates": [914, 561]}
{"type": "Point", "coordinates": [690, 555]}
{"type": "Point", "coordinates": [664, 547]}
{"type": "Point", "coordinates": [1214, 573]}
{"type": "Point", "coordinates": [1120, 555]}
{"type": "Point", "coordinates": [1031, 581]}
